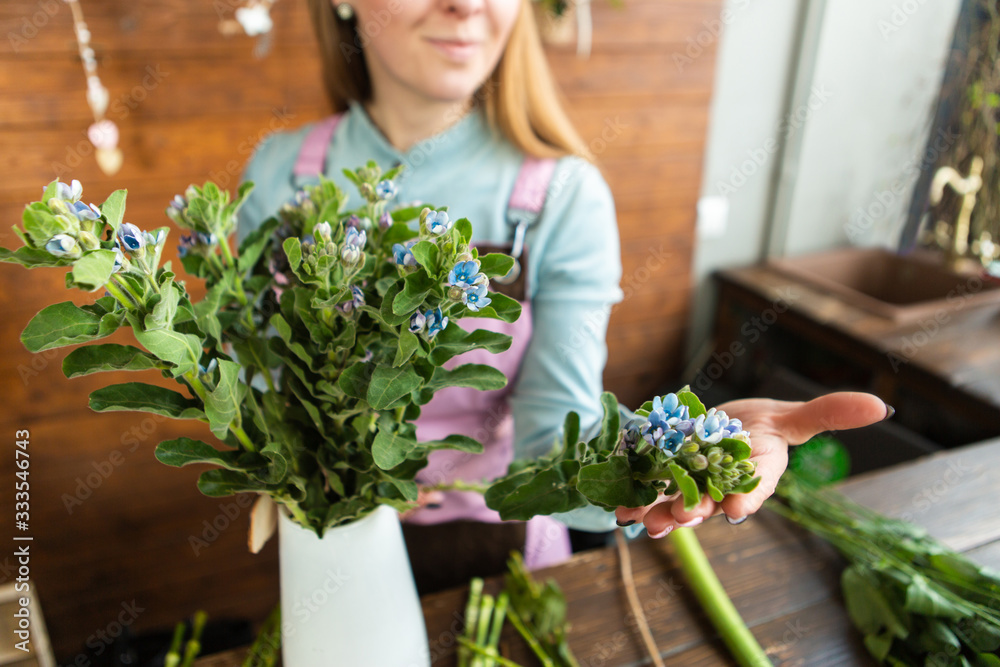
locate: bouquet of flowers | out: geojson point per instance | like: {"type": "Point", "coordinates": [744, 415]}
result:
{"type": "Point", "coordinates": [316, 344]}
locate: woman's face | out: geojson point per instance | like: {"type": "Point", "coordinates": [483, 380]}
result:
{"type": "Point", "coordinates": [439, 49]}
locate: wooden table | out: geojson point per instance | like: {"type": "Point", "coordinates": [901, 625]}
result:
{"type": "Point", "coordinates": [784, 582]}
{"type": "Point", "coordinates": [941, 372]}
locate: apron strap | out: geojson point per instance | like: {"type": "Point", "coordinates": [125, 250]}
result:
{"type": "Point", "coordinates": [311, 160]}
{"type": "Point", "coordinates": [525, 206]}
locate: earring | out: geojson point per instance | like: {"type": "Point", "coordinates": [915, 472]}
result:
{"type": "Point", "coordinates": [345, 11]}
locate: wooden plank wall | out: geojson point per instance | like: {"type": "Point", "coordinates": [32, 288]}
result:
{"type": "Point", "coordinates": [114, 528]}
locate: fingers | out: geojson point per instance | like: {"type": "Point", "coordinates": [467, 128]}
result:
{"type": "Point", "coordinates": [626, 516]}
{"type": "Point", "coordinates": [833, 412]}
{"type": "Point", "coordinates": [771, 463]}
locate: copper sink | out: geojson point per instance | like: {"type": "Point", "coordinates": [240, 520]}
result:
{"type": "Point", "coordinates": [899, 287]}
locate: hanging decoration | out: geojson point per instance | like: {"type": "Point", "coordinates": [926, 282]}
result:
{"type": "Point", "coordinates": [253, 18]}
{"type": "Point", "coordinates": [103, 133]}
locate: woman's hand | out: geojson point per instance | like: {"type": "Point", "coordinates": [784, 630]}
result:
{"type": "Point", "coordinates": [773, 426]}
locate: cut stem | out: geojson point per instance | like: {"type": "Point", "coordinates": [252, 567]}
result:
{"type": "Point", "coordinates": [735, 633]}
{"type": "Point", "coordinates": [633, 598]}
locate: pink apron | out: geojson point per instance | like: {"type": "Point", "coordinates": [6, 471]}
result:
{"type": "Point", "coordinates": [483, 415]}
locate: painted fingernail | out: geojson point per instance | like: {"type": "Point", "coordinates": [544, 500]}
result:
{"type": "Point", "coordinates": [625, 524]}
{"type": "Point", "coordinates": [737, 521]}
{"type": "Point", "coordinates": [433, 506]}
{"type": "Point", "coordinates": [692, 523]}
{"type": "Point", "coordinates": [662, 533]}
{"type": "Point", "coordinates": [889, 412]}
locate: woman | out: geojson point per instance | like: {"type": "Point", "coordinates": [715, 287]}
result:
{"type": "Point", "coordinates": [459, 91]}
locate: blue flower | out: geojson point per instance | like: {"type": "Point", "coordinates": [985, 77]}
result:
{"type": "Point", "coordinates": [323, 231]}
{"type": "Point", "coordinates": [354, 243]}
{"type": "Point", "coordinates": [357, 300]}
{"type": "Point", "coordinates": [386, 189]}
{"type": "Point", "coordinates": [671, 408]}
{"type": "Point", "coordinates": [466, 274]}
{"type": "Point", "coordinates": [63, 245]}
{"type": "Point", "coordinates": [710, 427]}
{"type": "Point", "coordinates": [475, 297]}
{"type": "Point", "coordinates": [385, 221]}
{"type": "Point", "coordinates": [401, 253]}
{"type": "Point", "coordinates": [155, 240]}
{"type": "Point", "coordinates": [632, 433]}
{"type": "Point", "coordinates": [438, 222]}
{"type": "Point", "coordinates": [84, 211]}
{"type": "Point", "coordinates": [120, 261]}
{"type": "Point", "coordinates": [417, 322]}
{"type": "Point", "coordinates": [353, 222]}
{"type": "Point", "coordinates": [436, 322]}
{"type": "Point", "coordinates": [69, 193]}
{"type": "Point", "coordinates": [131, 237]}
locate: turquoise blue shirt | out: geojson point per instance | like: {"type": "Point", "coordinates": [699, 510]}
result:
{"type": "Point", "coordinates": [574, 264]}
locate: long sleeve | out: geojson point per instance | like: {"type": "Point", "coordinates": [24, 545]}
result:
{"type": "Point", "coordinates": [577, 270]}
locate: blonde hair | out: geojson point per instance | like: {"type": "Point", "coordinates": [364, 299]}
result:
{"type": "Point", "coordinates": [519, 97]}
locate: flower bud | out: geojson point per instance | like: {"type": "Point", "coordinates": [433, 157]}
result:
{"type": "Point", "coordinates": [368, 192]}
{"type": "Point", "coordinates": [88, 241]}
{"type": "Point", "coordinates": [323, 231]}
{"type": "Point", "coordinates": [698, 462]}
{"type": "Point", "coordinates": [690, 448]}
{"type": "Point", "coordinates": [714, 455]}
{"type": "Point", "coordinates": [455, 293]}
{"type": "Point", "coordinates": [63, 245]}
{"type": "Point", "coordinates": [714, 468]}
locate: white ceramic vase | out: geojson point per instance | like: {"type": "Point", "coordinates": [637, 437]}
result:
{"type": "Point", "coordinates": [349, 598]}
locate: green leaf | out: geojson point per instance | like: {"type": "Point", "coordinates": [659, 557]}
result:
{"type": "Point", "coordinates": [747, 486]}
{"type": "Point", "coordinates": [293, 250]}
{"type": "Point", "coordinates": [113, 208]}
{"type": "Point", "coordinates": [688, 487]}
{"type": "Point", "coordinates": [40, 225]}
{"type": "Point", "coordinates": [108, 357]}
{"type": "Point", "coordinates": [356, 378]}
{"type": "Point", "coordinates": [428, 255]}
{"type": "Point", "coordinates": [32, 258]}
{"type": "Point", "coordinates": [388, 385]}
{"type": "Point", "coordinates": [738, 449]}
{"type": "Point", "coordinates": [610, 484]}
{"type": "Point", "coordinates": [713, 490]}
{"type": "Point", "coordinates": [184, 451]}
{"type": "Point", "coordinates": [499, 490]}
{"type": "Point", "coordinates": [222, 404]}
{"type": "Point", "coordinates": [464, 229]}
{"type": "Point", "coordinates": [571, 431]}
{"type": "Point", "coordinates": [475, 376]}
{"type": "Point", "coordinates": [408, 344]}
{"type": "Point", "coordinates": [181, 350]}
{"type": "Point", "coordinates": [162, 316]}
{"type": "Point", "coordinates": [868, 608]}
{"type": "Point", "coordinates": [216, 483]}
{"type": "Point", "coordinates": [418, 285]}
{"type": "Point", "coordinates": [255, 242]}
{"type": "Point", "coordinates": [455, 340]}
{"type": "Point", "coordinates": [462, 443]}
{"type": "Point", "coordinates": [922, 597]}
{"type": "Point", "coordinates": [694, 404]}
{"type": "Point", "coordinates": [94, 269]}
{"type": "Point", "coordinates": [141, 397]}
{"type": "Point", "coordinates": [503, 308]}
{"type": "Point", "coordinates": [496, 264]}
{"type": "Point", "coordinates": [64, 324]}
{"type": "Point", "coordinates": [549, 492]}
{"type": "Point", "coordinates": [610, 424]}
{"type": "Point", "coordinates": [390, 449]}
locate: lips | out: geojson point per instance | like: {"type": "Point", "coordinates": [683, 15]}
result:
{"type": "Point", "coordinates": [454, 49]}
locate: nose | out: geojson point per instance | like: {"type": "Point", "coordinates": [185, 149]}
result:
{"type": "Point", "coordinates": [463, 8]}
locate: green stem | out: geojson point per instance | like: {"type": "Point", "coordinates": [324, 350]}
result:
{"type": "Point", "coordinates": [471, 614]}
{"type": "Point", "coordinates": [458, 485]}
{"type": "Point", "coordinates": [529, 637]}
{"type": "Point", "coordinates": [478, 650]}
{"type": "Point", "coordinates": [193, 647]}
{"type": "Point", "coordinates": [173, 658]}
{"type": "Point", "coordinates": [226, 252]}
{"type": "Point", "coordinates": [122, 294]}
{"type": "Point", "coordinates": [717, 604]}
{"type": "Point", "coordinates": [198, 387]}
